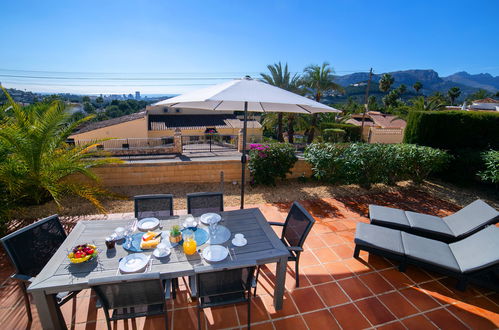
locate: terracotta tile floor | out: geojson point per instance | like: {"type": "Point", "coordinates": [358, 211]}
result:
{"type": "Point", "coordinates": [336, 291]}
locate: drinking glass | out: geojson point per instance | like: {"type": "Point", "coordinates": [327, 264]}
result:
{"type": "Point", "coordinates": [190, 244]}
{"type": "Point", "coordinates": [128, 233]}
{"type": "Point", "coordinates": [213, 227]}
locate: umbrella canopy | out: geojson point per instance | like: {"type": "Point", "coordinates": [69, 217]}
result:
{"type": "Point", "coordinates": [246, 95]}
{"type": "Point", "coordinates": [259, 96]}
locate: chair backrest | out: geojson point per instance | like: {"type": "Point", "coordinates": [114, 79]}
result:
{"type": "Point", "coordinates": [225, 281]}
{"type": "Point", "coordinates": [297, 226]}
{"type": "Point", "coordinates": [158, 206]}
{"type": "Point", "coordinates": [205, 202]}
{"type": "Point", "coordinates": [471, 218]}
{"type": "Point", "coordinates": [31, 247]}
{"type": "Point", "coordinates": [478, 251]}
{"type": "Point", "coordinates": [129, 290]}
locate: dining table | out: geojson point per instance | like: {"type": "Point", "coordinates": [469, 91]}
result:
{"type": "Point", "coordinates": [59, 275]}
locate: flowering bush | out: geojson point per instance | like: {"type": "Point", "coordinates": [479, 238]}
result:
{"type": "Point", "coordinates": [267, 162]}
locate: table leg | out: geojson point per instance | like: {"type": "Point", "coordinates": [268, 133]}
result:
{"type": "Point", "coordinates": [48, 311]}
{"type": "Point", "coordinates": [280, 282]}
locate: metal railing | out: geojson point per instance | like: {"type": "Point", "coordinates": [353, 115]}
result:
{"type": "Point", "coordinates": [130, 143]}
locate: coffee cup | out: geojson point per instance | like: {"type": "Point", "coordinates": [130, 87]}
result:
{"type": "Point", "coordinates": [239, 238]}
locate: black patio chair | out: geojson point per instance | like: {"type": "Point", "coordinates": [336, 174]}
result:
{"type": "Point", "coordinates": [205, 202]}
{"type": "Point", "coordinates": [225, 287]}
{"type": "Point", "coordinates": [29, 250]}
{"type": "Point", "coordinates": [158, 206]}
{"type": "Point", "coordinates": [294, 232]}
{"type": "Point", "coordinates": [472, 259]}
{"type": "Point", "coordinates": [465, 222]}
{"type": "Point", "coordinates": [131, 296]}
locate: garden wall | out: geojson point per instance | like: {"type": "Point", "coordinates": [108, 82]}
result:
{"type": "Point", "coordinates": [178, 172]}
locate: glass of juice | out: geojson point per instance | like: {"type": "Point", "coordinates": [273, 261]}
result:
{"type": "Point", "coordinates": [189, 242]}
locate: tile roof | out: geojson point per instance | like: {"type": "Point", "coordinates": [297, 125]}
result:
{"type": "Point", "coordinates": [378, 119]}
{"type": "Point", "coordinates": [163, 122]}
{"type": "Point", "coordinates": [110, 122]}
{"type": "Point", "coordinates": [486, 100]}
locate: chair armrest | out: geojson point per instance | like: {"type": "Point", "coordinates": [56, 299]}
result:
{"type": "Point", "coordinates": [21, 277]}
{"type": "Point", "coordinates": [294, 248]}
{"type": "Point", "coordinates": [276, 223]}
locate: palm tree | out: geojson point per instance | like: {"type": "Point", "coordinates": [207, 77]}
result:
{"type": "Point", "coordinates": [421, 104]}
{"type": "Point", "coordinates": [386, 82]}
{"type": "Point", "coordinates": [38, 159]}
{"type": "Point", "coordinates": [281, 78]}
{"type": "Point", "coordinates": [417, 86]}
{"type": "Point", "coordinates": [453, 93]}
{"type": "Point", "coordinates": [319, 80]}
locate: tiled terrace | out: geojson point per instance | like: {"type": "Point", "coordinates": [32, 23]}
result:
{"type": "Point", "coordinates": [336, 291]}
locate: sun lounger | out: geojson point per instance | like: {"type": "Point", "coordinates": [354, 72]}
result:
{"type": "Point", "coordinates": [472, 259]}
{"type": "Point", "coordinates": [457, 226]}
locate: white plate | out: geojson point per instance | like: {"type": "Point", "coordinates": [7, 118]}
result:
{"type": "Point", "coordinates": [194, 224]}
{"type": "Point", "coordinates": [148, 224]}
{"type": "Point", "coordinates": [215, 253]}
{"type": "Point", "coordinates": [208, 217]}
{"type": "Point", "coordinates": [133, 263]}
{"type": "Point", "coordinates": [242, 242]}
{"type": "Point", "coordinates": [157, 254]}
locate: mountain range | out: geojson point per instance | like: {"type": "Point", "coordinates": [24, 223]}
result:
{"type": "Point", "coordinates": [432, 82]}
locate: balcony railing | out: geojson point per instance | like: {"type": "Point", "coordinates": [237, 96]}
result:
{"type": "Point", "coordinates": [130, 143]}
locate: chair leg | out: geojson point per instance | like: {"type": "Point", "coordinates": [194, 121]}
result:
{"type": "Point", "coordinates": [26, 300]}
{"type": "Point", "coordinates": [297, 271]}
{"type": "Point", "coordinates": [108, 322]}
{"type": "Point", "coordinates": [462, 283]}
{"type": "Point", "coordinates": [356, 252]}
{"type": "Point", "coordinates": [256, 280]}
{"type": "Point", "coordinates": [199, 317]}
{"type": "Point", "coordinates": [249, 309]}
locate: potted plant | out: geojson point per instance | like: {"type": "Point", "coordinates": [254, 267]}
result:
{"type": "Point", "coordinates": [175, 235]}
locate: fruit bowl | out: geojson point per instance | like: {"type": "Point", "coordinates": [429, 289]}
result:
{"type": "Point", "coordinates": [82, 253]}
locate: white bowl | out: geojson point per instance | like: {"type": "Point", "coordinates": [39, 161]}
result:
{"type": "Point", "coordinates": [207, 218]}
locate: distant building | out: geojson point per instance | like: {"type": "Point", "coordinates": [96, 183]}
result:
{"type": "Point", "coordinates": [137, 95]}
{"type": "Point", "coordinates": [488, 104]}
{"type": "Point", "coordinates": [130, 96]}
{"type": "Point", "coordinates": [380, 127]}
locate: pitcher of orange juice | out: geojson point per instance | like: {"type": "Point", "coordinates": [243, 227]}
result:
{"type": "Point", "coordinates": [189, 242]}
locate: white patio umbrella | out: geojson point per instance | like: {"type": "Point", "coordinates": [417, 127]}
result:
{"type": "Point", "coordinates": [246, 94]}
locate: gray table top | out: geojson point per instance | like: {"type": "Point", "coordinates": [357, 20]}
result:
{"type": "Point", "coordinates": [59, 275]}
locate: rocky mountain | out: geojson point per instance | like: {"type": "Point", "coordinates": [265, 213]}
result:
{"type": "Point", "coordinates": [481, 80]}
{"type": "Point", "coordinates": [431, 81]}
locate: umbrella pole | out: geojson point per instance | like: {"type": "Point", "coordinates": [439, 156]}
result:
{"type": "Point", "coordinates": [243, 157]}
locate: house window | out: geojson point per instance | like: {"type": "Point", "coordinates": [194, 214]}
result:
{"type": "Point", "coordinates": [165, 110]}
{"type": "Point", "coordinates": [177, 110]}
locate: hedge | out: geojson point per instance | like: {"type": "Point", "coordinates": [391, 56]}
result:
{"type": "Point", "coordinates": [453, 130]}
{"type": "Point", "coordinates": [353, 133]}
{"type": "Point", "coordinates": [491, 171]}
{"type": "Point", "coordinates": [334, 135]}
{"type": "Point", "coordinates": [367, 164]}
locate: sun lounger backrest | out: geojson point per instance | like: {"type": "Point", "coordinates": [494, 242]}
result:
{"type": "Point", "coordinates": [477, 251]}
{"type": "Point", "coordinates": [472, 217]}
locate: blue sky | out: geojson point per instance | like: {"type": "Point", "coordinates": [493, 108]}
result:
{"type": "Point", "coordinates": [150, 40]}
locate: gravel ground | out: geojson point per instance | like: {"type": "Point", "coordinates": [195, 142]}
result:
{"type": "Point", "coordinates": [284, 192]}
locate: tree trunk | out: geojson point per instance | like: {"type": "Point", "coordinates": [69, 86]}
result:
{"type": "Point", "coordinates": [280, 138]}
{"type": "Point", "coordinates": [311, 133]}
{"type": "Point", "coordinates": [291, 130]}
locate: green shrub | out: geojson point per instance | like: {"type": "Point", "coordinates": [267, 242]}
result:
{"type": "Point", "coordinates": [367, 164]}
{"type": "Point", "coordinates": [267, 162]}
{"type": "Point", "coordinates": [491, 171]}
{"type": "Point", "coordinates": [353, 133]}
{"type": "Point", "coordinates": [452, 130]}
{"type": "Point", "coordinates": [334, 135]}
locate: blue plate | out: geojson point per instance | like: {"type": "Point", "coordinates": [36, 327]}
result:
{"type": "Point", "coordinates": [200, 235]}
{"type": "Point", "coordinates": [135, 246]}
